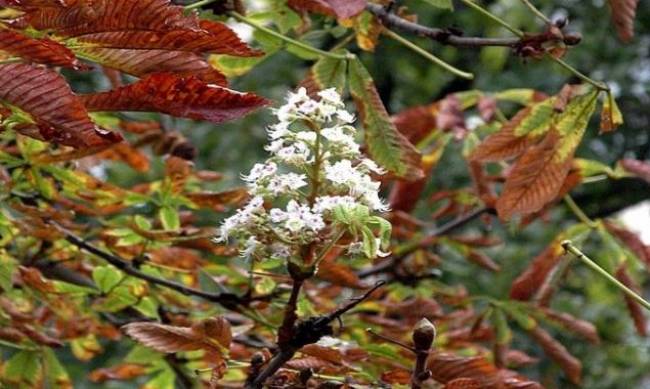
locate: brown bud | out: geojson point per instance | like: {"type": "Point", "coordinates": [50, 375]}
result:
{"type": "Point", "coordinates": [424, 334]}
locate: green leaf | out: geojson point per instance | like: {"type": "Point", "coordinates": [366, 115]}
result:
{"type": "Point", "coordinates": [169, 218]}
{"type": "Point", "coordinates": [369, 242]}
{"type": "Point", "coordinates": [120, 298]}
{"type": "Point", "coordinates": [330, 73]}
{"type": "Point", "coordinates": [148, 307]}
{"type": "Point", "coordinates": [503, 332]}
{"type": "Point", "coordinates": [165, 380]}
{"type": "Point", "coordinates": [23, 368]}
{"type": "Point", "coordinates": [7, 269]}
{"type": "Point", "coordinates": [385, 144]}
{"type": "Point", "coordinates": [444, 4]}
{"type": "Point", "coordinates": [518, 314]}
{"type": "Point", "coordinates": [55, 373]}
{"type": "Point", "coordinates": [265, 286]}
{"type": "Point", "coordinates": [106, 277]}
{"type": "Point", "coordinates": [538, 120]}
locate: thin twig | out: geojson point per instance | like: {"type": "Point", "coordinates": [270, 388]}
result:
{"type": "Point", "coordinates": [536, 11]}
{"type": "Point", "coordinates": [423, 242]}
{"type": "Point", "coordinates": [285, 38]}
{"type": "Point", "coordinates": [227, 300]}
{"type": "Point", "coordinates": [570, 248]}
{"type": "Point", "coordinates": [578, 212]}
{"type": "Point", "coordinates": [427, 55]}
{"type": "Point", "coordinates": [445, 37]}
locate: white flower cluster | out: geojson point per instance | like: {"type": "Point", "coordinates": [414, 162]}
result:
{"type": "Point", "coordinates": [315, 167]}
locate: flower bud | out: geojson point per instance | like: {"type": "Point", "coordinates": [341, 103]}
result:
{"type": "Point", "coordinates": [424, 334]}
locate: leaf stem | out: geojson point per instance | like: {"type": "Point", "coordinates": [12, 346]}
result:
{"type": "Point", "coordinates": [536, 11]}
{"type": "Point", "coordinates": [578, 212]}
{"type": "Point", "coordinates": [329, 246]}
{"type": "Point", "coordinates": [428, 55]}
{"type": "Point", "coordinates": [198, 4]}
{"type": "Point", "coordinates": [493, 17]}
{"type": "Point", "coordinates": [570, 248]}
{"type": "Point", "coordinates": [285, 38]}
{"type": "Point", "coordinates": [600, 85]}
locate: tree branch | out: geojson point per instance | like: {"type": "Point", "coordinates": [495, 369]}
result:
{"type": "Point", "coordinates": [423, 242]}
{"type": "Point", "coordinates": [304, 333]}
{"type": "Point", "coordinates": [227, 300]}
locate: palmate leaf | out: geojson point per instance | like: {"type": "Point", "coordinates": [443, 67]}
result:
{"type": "Point", "coordinates": [43, 51]}
{"type": "Point", "coordinates": [85, 17]}
{"type": "Point", "coordinates": [538, 175]}
{"type": "Point", "coordinates": [341, 9]}
{"type": "Point", "coordinates": [213, 37]}
{"type": "Point", "coordinates": [187, 97]}
{"type": "Point", "coordinates": [623, 14]}
{"type": "Point", "coordinates": [144, 62]}
{"type": "Point", "coordinates": [213, 335]}
{"type": "Point", "coordinates": [385, 144]}
{"type": "Point", "coordinates": [59, 114]}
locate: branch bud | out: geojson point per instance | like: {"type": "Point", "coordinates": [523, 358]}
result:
{"type": "Point", "coordinates": [423, 335]}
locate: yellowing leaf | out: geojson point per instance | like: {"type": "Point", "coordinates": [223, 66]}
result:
{"type": "Point", "coordinates": [385, 144]}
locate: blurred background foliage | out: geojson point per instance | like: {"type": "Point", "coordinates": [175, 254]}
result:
{"type": "Point", "coordinates": [405, 80]}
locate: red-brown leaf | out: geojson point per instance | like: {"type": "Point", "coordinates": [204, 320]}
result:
{"type": "Point", "coordinates": [342, 9]}
{"type": "Point", "coordinates": [535, 179]}
{"type": "Point", "coordinates": [58, 113]}
{"type": "Point", "coordinates": [212, 335]}
{"type": "Point", "coordinates": [633, 307]}
{"type": "Point", "coordinates": [571, 323]}
{"type": "Point", "coordinates": [623, 14]}
{"type": "Point", "coordinates": [463, 383]}
{"type": "Point", "coordinates": [530, 281]}
{"type": "Point", "coordinates": [84, 17]}
{"type": "Point", "coordinates": [44, 51]}
{"type": "Point", "coordinates": [631, 240]}
{"type": "Point", "coordinates": [178, 96]}
{"type": "Point", "coordinates": [126, 371]}
{"type": "Point", "coordinates": [504, 144]}
{"type": "Point", "coordinates": [213, 37]}
{"type": "Point", "coordinates": [558, 353]}
{"type": "Point", "coordinates": [144, 62]}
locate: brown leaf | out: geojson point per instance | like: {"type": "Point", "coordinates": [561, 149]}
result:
{"type": "Point", "coordinates": [558, 353]}
{"type": "Point", "coordinates": [416, 123]}
{"type": "Point", "coordinates": [44, 51]}
{"type": "Point", "coordinates": [212, 335]}
{"type": "Point", "coordinates": [123, 372]}
{"type": "Point", "coordinates": [178, 96]}
{"type": "Point", "coordinates": [531, 280]}
{"type": "Point", "coordinates": [535, 179]}
{"type": "Point", "coordinates": [84, 17]}
{"type": "Point", "coordinates": [145, 62]}
{"type": "Point", "coordinates": [631, 240]}
{"type": "Point", "coordinates": [463, 383]}
{"type": "Point", "coordinates": [219, 201]}
{"type": "Point", "coordinates": [339, 274]}
{"type": "Point", "coordinates": [483, 260]}
{"type": "Point", "coordinates": [325, 353]}
{"type": "Point", "coordinates": [59, 114]}
{"type": "Point", "coordinates": [505, 144]}
{"type": "Point", "coordinates": [341, 9]}
{"type": "Point", "coordinates": [397, 376]}
{"type": "Point", "coordinates": [124, 152]}
{"type": "Point", "coordinates": [573, 324]}
{"type": "Point", "coordinates": [33, 278]}
{"type": "Point", "coordinates": [633, 307]}
{"type": "Point", "coordinates": [623, 14]}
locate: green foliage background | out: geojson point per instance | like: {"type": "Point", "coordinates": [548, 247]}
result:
{"type": "Point", "coordinates": [405, 80]}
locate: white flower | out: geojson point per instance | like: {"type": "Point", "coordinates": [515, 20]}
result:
{"type": "Point", "coordinates": [343, 173]}
{"type": "Point", "coordinates": [250, 247]}
{"type": "Point", "coordinates": [342, 139]}
{"type": "Point", "coordinates": [306, 136]}
{"type": "Point", "coordinates": [243, 219]}
{"type": "Point", "coordinates": [308, 108]}
{"type": "Point", "coordinates": [372, 166]}
{"type": "Point", "coordinates": [261, 171]}
{"type": "Point", "coordinates": [297, 218]}
{"type": "Point", "coordinates": [299, 97]}
{"type": "Point", "coordinates": [327, 203]}
{"type": "Point", "coordinates": [331, 96]}
{"type": "Point", "coordinates": [286, 183]}
{"type": "Point", "coordinates": [295, 154]}
{"type": "Point", "coordinates": [345, 116]}
{"type": "Point", "coordinates": [279, 130]}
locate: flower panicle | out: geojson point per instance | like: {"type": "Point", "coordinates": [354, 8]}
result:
{"type": "Point", "coordinates": [315, 173]}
